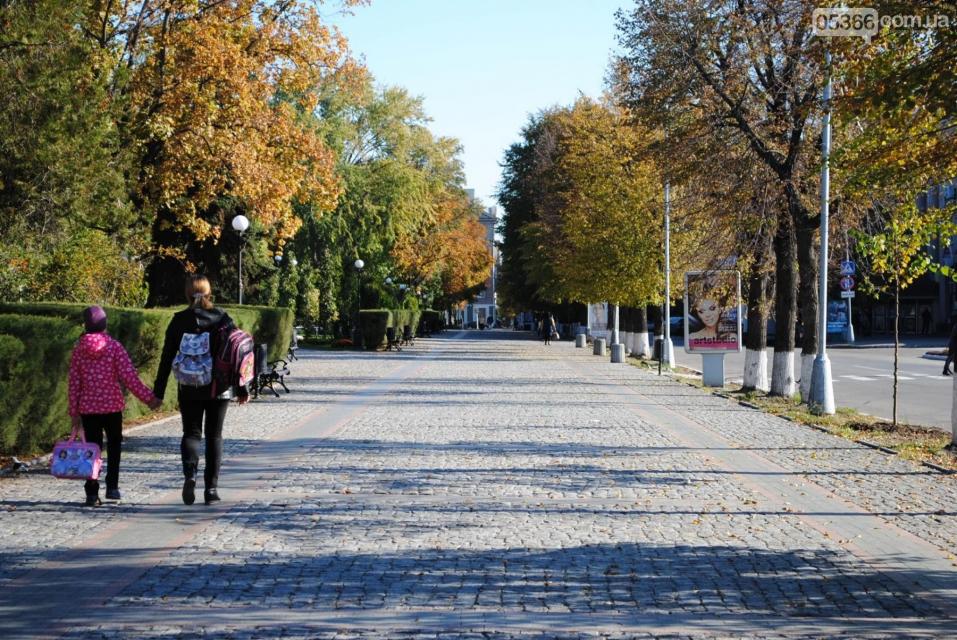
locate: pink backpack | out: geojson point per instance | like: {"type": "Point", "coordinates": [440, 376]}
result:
{"type": "Point", "coordinates": [74, 459]}
{"type": "Point", "coordinates": [234, 363]}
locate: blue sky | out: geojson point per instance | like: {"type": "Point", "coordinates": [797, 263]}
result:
{"type": "Point", "coordinates": [484, 65]}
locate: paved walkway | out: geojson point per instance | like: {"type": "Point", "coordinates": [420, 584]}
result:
{"type": "Point", "coordinates": [485, 486]}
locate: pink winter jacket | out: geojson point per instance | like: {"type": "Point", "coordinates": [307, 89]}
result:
{"type": "Point", "coordinates": [98, 365]}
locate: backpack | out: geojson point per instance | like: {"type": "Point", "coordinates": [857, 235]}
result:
{"type": "Point", "coordinates": [193, 364]}
{"type": "Point", "coordinates": [234, 362]}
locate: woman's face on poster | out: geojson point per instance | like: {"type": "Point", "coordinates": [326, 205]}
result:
{"type": "Point", "coordinates": [709, 312]}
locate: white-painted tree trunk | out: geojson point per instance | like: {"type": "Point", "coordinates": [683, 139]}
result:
{"type": "Point", "coordinates": [756, 370]}
{"type": "Point", "coordinates": [807, 372]}
{"type": "Point", "coordinates": [782, 374]}
{"type": "Point", "coordinates": [643, 345]}
{"type": "Point", "coordinates": [626, 340]}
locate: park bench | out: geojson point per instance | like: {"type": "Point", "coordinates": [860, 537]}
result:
{"type": "Point", "coordinates": [268, 374]}
{"type": "Point", "coordinates": [392, 341]}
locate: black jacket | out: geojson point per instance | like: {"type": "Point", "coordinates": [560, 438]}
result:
{"type": "Point", "coordinates": [189, 320]}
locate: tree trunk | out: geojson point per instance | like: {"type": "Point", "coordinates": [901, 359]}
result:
{"type": "Point", "coordinates": [756, 339]}
{"type": "Point", "coordinates": [785, 302]}
{"type": "Point", "coordinates": [759, 288]}
{"type": "Point", "coordinates": [642, 343]}
{"type": "Point", "coordinates": [808, 301]}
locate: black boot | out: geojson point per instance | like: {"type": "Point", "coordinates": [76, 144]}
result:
{"type": "Point", "coordinates": [189, 484]}
{"type": "Point", "coordinates": [210, 496]}
{"type": "Point", "coordinates": [92, 488]}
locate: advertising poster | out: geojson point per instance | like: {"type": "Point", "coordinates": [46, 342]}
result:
{"type": "Point", "coordinates": [712, 318]}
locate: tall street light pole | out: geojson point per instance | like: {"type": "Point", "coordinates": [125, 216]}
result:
{"type": "Point", "coordinates": [240, 225]}
{"type": "Point", "coordinates": [822, 386]}
{"type": "Point", "coordinates": [356, 332]}
{"type": "Point", "coordinates": [667, 349]}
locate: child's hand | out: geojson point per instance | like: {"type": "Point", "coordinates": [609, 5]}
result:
{"type": "Point", "coordinates": [75, 422]}
{"type": "Point", "coordinates": [155, 404]}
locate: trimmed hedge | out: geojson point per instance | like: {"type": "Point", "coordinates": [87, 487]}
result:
{"type": "Point", "coordinates": [405, 318]}
{"type": "Point", "coordinates": [433, 320]}
{"type": "Point", "coordinates": [36, 341]}
{"type": "Point", "coordinates": [35, 360]}
{"type": "Point", "coordinates": [372, 324]}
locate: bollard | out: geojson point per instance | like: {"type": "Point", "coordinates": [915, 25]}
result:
{"type": "Point", "coordinates": [618, 352]}
{"type": "Point", "coordinates": [580, 340]}
{"type": "Point", "coordinates": [599, 346]}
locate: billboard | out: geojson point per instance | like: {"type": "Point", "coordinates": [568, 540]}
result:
{"type": "Point", "coordinates": [712, 316]}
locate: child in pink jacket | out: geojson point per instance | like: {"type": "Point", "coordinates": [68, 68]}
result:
{"type": "Point", "coordinates": [98, 365]}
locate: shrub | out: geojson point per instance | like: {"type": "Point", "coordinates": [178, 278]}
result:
{"type": "Point", "coordinates": [372, 324]}
{"type": "Point", "coordinates": [433, 320]}
{"type": "Point", "coordinates": [35, 361]}
{"type": "Point", "coordinates": [405, 317]}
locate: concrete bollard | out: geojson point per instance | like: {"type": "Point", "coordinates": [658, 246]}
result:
{"type": "Point", "coordinates": [599, 346]}
{"type": "Point", "coordinates": [618, 352]}
{"type": "Point", "coordinates": [580, 340]}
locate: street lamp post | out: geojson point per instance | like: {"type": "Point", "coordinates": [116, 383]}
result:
{"type": "Point", "coordinates": [356, 333]}
{"type": "Point", "coordinates": [667, 354]}
{"type": "Point", "coordinates": [822, 387]}
{"type": "Point", "coordinates": [240, 225]}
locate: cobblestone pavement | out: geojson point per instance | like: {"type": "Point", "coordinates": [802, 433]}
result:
{"type": "Point", "coordinates": [482, 485]}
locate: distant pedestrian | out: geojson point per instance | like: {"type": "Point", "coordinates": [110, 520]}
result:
{"type": "Point", "coordinates": [548, 328]}
{"type": "Point", "coordinates": [98, 367]}
{"type": "Point", "coordinates": [951, 350]}
{"type": "Point", "coordinates": [927, 320]}
{"type": "Point", "coordinates": [187, 352]}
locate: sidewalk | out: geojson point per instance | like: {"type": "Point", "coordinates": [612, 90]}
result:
{"type": "Point", "coordinates": [481, 485]}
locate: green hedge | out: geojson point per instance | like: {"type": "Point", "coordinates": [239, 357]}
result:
{"type": "Point", "coordinates": [35, 361]}
{"type": "Point", "coordinates": [38, 413]}
{"type": "Point", "coordinates": [434, 320]}
{"type": "Point", "coordinates": [405, 318]}
{"type": "Point", "coordinates": [372, 324]}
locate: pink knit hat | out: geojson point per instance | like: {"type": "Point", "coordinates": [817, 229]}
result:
{"type": "Point", "coordinates": [94, 319]}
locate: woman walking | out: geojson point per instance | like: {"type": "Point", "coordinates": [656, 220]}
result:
{"type": "Point", "coordinates": [187, 352]}
{"type": "Point", "coordinates": [98, 366]}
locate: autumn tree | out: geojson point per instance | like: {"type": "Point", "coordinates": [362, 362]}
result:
{"type": "Point", "coordinates": [750, 73]}
{"type": "Point", "coordinates": [214, 101]}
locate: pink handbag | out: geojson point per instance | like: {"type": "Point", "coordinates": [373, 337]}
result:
{"type": "Point", "coordinates": [76, 459]}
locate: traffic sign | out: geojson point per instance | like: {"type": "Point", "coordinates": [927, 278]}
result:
{"type": "Point", "coordinates": [848, 268]}
{"type": "Point", "coordinates": [847, 283]}
{"type": "Point", "coordinates": [847, 294]}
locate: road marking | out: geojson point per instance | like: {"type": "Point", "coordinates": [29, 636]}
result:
{"type": "Point", "coordinates": [861, 378]}
{"type": "Point", "coordinates": [891, 375]}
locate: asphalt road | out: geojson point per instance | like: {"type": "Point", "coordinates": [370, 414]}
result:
{"type": "Point", "coordinates": [863, 380]}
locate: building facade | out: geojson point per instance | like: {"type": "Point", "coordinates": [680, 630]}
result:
{"type": "Point", "coordinates": [482, 310]}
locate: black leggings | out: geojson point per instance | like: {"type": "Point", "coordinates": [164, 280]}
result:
{"type": "Point", "coordinates": [94, 425]}
{"type": "Point", "coordinates": [194, 404]}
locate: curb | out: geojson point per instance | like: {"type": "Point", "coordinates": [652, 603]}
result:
{"type": "Point", "coordinates": [887, 345]}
